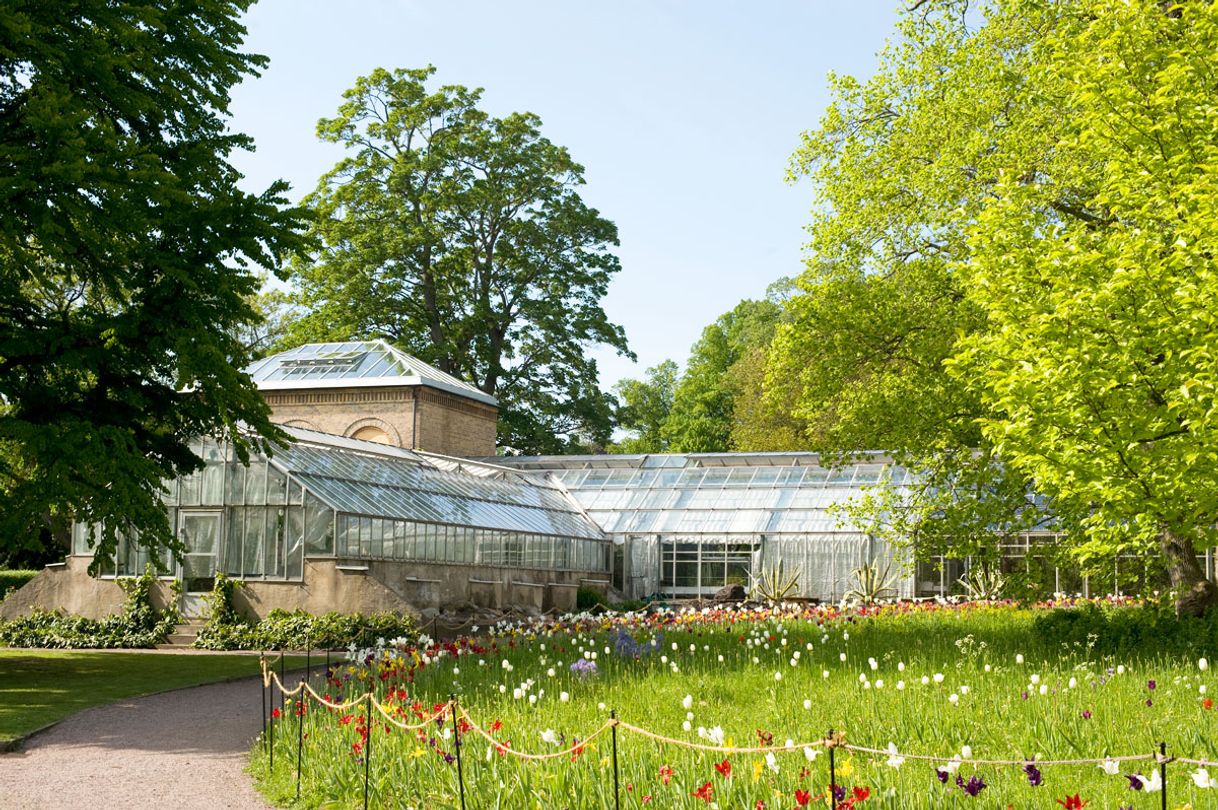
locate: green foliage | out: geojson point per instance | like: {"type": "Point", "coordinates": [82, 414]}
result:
{"type": "Point", "coordinates": [977, 663]}
{"type": "Point", "coordinates": [139, 625]}
{"type": "Point", "coordinates": [461, 238]}
{"type": "Point", "coordinates": [983, 583]}
{"type": "Point", "coordinates": [226, 629]}
{"type": "Point", "coordinates": [12, 580]}
{"type": "Point", "coordinates": [773, 584]}
{"type": "Point", "coordinates": [1011, 278]}
{"type": "Point", "coordinates": [871, 583]}
{"type": "Point", "coordinates": [643, 407]}
{"type": "Point", "coordinates": [125, 254]}
{"type": "Point", "coordinates": [587, 598]}
{"type": "Point", "coordinates": [1111, 630]}
{"type": "Point", "coordinates": [718, 404]}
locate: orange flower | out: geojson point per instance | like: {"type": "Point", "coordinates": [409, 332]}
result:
{"type": "Point", "coordinates": [1207, 704]}
{"type": "Point", "coordinates": [706, 793]}
{"type": "Point", "coordinates": [1073, 802]}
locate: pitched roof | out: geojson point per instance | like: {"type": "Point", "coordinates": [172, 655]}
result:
{"type": "Point", "coordinates": [354, 364]}
{"type": "Point", "coordinates": [376, 480]}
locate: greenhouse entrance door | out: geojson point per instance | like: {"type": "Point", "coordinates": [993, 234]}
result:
{"type": "Point", "coordinates": [200, 533]}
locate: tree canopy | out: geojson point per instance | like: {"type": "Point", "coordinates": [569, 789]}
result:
{"type": "Point", "coordinates": [1012, 275]}
{"type": "Point", "coordinates": [126, 256]}
{"type": "Point", "coordinates": [718, 403]}
{"type": "Point", "coordinates": [461, 237]}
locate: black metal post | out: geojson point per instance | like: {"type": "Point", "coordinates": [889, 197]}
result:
{"type": "Point", "coordinates": [263, 684]}
{"type": "Point", "coordinates": [283, 698]}
{"type": "Point", "coordinates": [452, 707]}
{"type": "Point", "coordinates": [308, 657]}
{"type": "Point", "coordinates": [272, 766]}
{"type": "Point", "coordinates": [368, 748]}
{"type": "Point", "coordinates": [617, 800]}
{"type": "Point", "coordinates": [434, 622]}
{"type": "Point", "coordinates": [832, 773]}
{"type": "Point", "coordinates": [1163, 772]}
{"type": "Point", "coordinates": [299, 736]}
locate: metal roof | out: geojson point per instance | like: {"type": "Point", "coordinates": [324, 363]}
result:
{"type": "Point", "coordinates": [377, 480]}
{"type": "Point", "coordinates": [354, 364]}
{"type": "Point", "coordinates": [718, 493]}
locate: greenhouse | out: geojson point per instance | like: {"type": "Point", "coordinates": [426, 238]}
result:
{"type": "Point", "coordinates": [403, 517]}
{"type": "Point", "coordinates": [687, 525]}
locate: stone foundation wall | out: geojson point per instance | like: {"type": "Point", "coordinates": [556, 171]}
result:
{"type": "Point", "coordinates": [368, 586]}
{"type": "Point", "coordinates": [371, 586]}
{"type": "Point", "coordinates": [68, 587]}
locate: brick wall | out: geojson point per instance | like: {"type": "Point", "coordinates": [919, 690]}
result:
{"type": "Point", "coordinates": [446, 424]}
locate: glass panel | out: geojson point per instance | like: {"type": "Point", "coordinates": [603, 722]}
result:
{"type": "Point", "coordinates": [255, 482]}
{"type": "Point", "coordinates": [319, 527]}
{"type": "Point", "coordinates": [236, 482]}
{"type": "Point", "coordinates": [275, 543]}
{"type": "Point", "coordinates": [276, 486]}
{"type": "Point", "coordinates": [254, 545]}
{"type": "Point", "coordinates": [294, 530]}
{"type": "Point", "coordinates": [231, 563]}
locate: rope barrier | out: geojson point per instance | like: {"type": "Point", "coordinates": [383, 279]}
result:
{"type": "Point", "coordinates": [504, 749]}
{"type": "Point", "coordinates": [837, 740]}
{"type": "Point", "coordinates": [408, 726]}
{"type": "Point", "coordinates": [723, 749]}
{"type": "Point", "coordinates": [1039, 762]}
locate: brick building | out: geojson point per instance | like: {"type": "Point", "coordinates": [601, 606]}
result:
{"type": "Point", "coordinates": [371, 391]}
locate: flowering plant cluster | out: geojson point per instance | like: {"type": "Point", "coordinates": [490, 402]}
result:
{"type": "Point", "coordinates": [720, 707]}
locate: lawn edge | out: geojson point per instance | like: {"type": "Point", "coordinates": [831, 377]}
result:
{"type": "Point", "coordinates": [17, 744]}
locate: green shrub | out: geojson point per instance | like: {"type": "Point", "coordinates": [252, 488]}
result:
{"type": "Point", "coordinates": [12, 580]}
{"type": "Point", "coordinates": [288, 630]}
{"type": "Point", "coordinates": [588, 598]}
{"type": "Point", "coordinates": [1112, 629]}
{"type": "Point", "coordinates": [139, 625]}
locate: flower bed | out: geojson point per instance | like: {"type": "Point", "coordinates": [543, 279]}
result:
{"type": "Point", "coordinates": [934, 706]}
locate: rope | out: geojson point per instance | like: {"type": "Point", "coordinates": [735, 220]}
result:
{"type": "Point", "coordinates": [350, 704]}
{"type": "Point", "coordinates": [407, 726]}
{"type": "Point", "coordinates": [642, 732]}
{"type": "Point", "coordinates": [1039, 762]}
{"type": "Point", "coordinates": [838, 740]}
{"type": "Point", "coordinates": [504, 749]}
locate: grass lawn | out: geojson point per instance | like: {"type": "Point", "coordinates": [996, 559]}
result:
{"type": "Point", "coordinates": [38, 687]}
{"type": "Point", "coordinates": [975, 683]}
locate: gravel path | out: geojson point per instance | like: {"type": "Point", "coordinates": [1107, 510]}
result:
{"type": "Point", "coordinates": [181, 749]}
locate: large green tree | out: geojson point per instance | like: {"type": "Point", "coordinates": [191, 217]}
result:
{"type": "Point", "coordinates": [1012, 281]}
{"type": "Point", "coordinates": [643, 408]}
{"type": "Point", "coordinates": [462, 238]}
{"type": "Point", "coordinates": [717, 405]}
{"type": "Point", "coordinates": [126, 254]}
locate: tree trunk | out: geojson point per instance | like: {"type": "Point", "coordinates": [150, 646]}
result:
{"type": "Point", "coordinates": [1194, 593]}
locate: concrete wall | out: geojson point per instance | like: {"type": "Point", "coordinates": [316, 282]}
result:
{"type": "Point", "coordinates": [359, 587]}
{"type": "Point", "coordinates": [69, 588]}
{"type": "Point", "coordinates": [412, 587]}
{"type": "Point", "coordinates": [415, 417]}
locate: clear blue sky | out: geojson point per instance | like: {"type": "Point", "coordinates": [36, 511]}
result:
{"type": "Point", "coordinates": [683, 112]}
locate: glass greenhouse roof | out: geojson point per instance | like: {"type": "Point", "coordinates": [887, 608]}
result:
{"type": "Point", "coordinates": [366, 478]}
{"type": "Point", "coordinates": [354, 364]}
{"type": "Point", "coordinates": [716, 493]}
